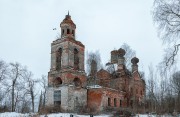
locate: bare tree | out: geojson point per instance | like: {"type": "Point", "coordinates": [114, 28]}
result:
{"type": "Point", "coordinates": [176, 82]}
{"type": "Point", "coordinates": [3, 76]}
{"type": "Point", "coordinates": [25, 103]}
{"type": "Point", "coordinates": [43, 83]}
{"type": "Point", "coordinates": [176, 87]}
{"type": "Point", "coordinates": [93, 61]}
{"type": "Point", "coordinates": [151, 89]}
{"type": "Point", "coordinates": [3, 70]}
{"type": "Point", "coordinates": [93, 65]}
{"type": "Point", "coordinates": [111, 68]}
{"type": "Point", "coordinates": [40, 103]}
{"type": "Point", "coordinates": [16, 72]}
{"type": "Point", "coordinates": [130, 53]}
{"type": "Point", "coordinates": [30, 87]}
{"type": "Point", "coordinates": [166, 15]}
{"type": "Point", "coordinates": [17, 88]}
{"type": "Point", "coordinates": [163, 91]}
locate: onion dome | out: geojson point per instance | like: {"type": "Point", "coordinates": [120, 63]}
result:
{"type": "Point", "coordinates": [121, 52]}
{"type": "Point", "coordinates": [134, 60]}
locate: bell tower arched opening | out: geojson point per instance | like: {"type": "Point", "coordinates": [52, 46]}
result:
{"type": "Point", "coordinates": [68, 31]}
{"type": "Point", "coordinates": [76, 59]}
{"type": "Point", "coordinates": [57, 81]}
{"type": "Point", "coordinates": [58, 58]}
{"type": "Point", "coordinates": [77, 82]}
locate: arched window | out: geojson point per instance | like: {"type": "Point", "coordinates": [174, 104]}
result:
{"type": "Point", "coordinates": [68, 31]}
{"type": "Point", "coordinates": [63, 31]}
{"type": "Point", "coordinates": [76, 59]}
{"type": "Point", "coordinates": [109, 101]}
{"type": "Point", "coordinates": [77, 82]}
{"type": "Point", "coordinates": [120, 103]}
{"type": "Point", "coordinates": [57, 81]}
{"type": "Point", "coordinates": [115, 102]}
{"type": "Point", "coordinates": [73, 32]}
{"type": "Point", "coordinates": [58, 58]}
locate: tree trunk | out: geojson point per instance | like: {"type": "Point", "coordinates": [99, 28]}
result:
{"type": "Point", "coordinates": [44, 99]}
{"type": "Point", "coordinates": [40, 103]}
{"type": "Point", "coordinates": [12, 109]}
{"type": "Point", "coordinates": [32, 100]}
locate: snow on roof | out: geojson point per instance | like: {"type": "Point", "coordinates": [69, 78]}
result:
{"type": "Point", "coordinates": [94, 87]}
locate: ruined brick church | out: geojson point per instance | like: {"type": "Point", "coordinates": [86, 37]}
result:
{"type": "Point", "coordinates": [72, 90]}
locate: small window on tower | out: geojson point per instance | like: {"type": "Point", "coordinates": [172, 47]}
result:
{"type": "Point", "coordinates": [68, 31]}
{"type": "Point", "coordinates": [120, 103]}
{"type": "Point", "coordinates": [109, 101]}
{"type": "Point", "coordinates": [115, 102]}
{"type": "Point", "coordinates": [73, 32]}
{"type": "Point", "coordinates": [63, 31]}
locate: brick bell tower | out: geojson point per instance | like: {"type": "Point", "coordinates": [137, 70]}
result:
{"type": "Point", "coordinates": [67, 73]}
{"type": "Point", "coordinates": [67, 56]}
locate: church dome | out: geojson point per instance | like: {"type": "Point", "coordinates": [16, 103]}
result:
{"type": "Point", "coordinates": [134, 60]}
{"type": "Point", "coordinates": [68, 27]}
{"type": "Point", "coordinates": [67, 20]}
{"type": "Point", "coordinates": [121, 52]}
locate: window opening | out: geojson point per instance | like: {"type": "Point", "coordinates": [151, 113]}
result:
{"type": "Point", "coordinates": [68, 31]}
{"type": "Point", "coordinates": [58, 59]}
{"type": "Point", "coordinates": [109, 102]}
{"type": "Point", "coordinates": [76, 59]}
{"type": "Point", "coordinates": [115, 102]}
{"type": "Point", "coordinates": [57, 98]}
{"type": "Point", "coordinates": [120, 103]}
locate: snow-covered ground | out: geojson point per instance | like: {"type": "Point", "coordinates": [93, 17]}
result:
{"type": "Point", "coordinates": [14, 114]}
{"type": "Point", "coordinates": [74, 115]}
{"type": "Point", "coordinates": [156, 116]}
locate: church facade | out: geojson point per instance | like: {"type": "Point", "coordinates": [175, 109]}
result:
{"type": "Point", "coordinates": [72, 90]}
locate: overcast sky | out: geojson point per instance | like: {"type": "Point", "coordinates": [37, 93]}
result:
{"type": "Point", "coordinates": [26, 29]}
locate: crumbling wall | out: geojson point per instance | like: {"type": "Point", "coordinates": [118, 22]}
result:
{"type": "Point", "coordinates": [77, 99]}
{"type": "Point", "coordinates": [49, 97]}
{"type": "Point", "coordinates": [98, 99]}
{"type": "Point", "coordinates": [72, 98]}
{"type": "Point", "coordinates": [94, 99]}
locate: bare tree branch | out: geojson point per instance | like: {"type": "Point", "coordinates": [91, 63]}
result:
{"type": "Point", "coordinates": [166, 15]}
